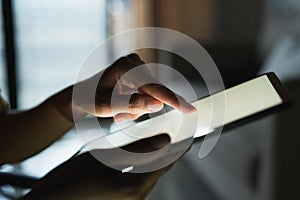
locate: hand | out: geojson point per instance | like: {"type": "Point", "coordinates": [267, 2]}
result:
{"type": "Point", "coordinates": [147, 98]}
{"type": "Point", "coordinates": [84, 177]}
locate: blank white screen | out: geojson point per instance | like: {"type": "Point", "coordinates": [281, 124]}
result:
{"type": "Point", "coordinates": [242, 100]}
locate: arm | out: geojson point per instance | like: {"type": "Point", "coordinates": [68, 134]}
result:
{"type": "Point", "coordinates": [26, 133]}
{"type": "Point", "coordinates": [84, 177]}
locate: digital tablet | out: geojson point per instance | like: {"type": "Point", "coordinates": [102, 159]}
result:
{"type": "Point", "coordinates": [244, 102]}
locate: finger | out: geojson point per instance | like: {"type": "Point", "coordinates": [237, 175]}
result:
{"type": "Point", "coordinates": [130, 61]}
{"type": "Point", "coordinates": [143, 103]}
{"type": "Point", "coordinates": [167, 96]}
{"type": "Point", "coordinates": [138, 104]}
{"type": "Point", "coordinates": [122, 66]}
{"type": "Point", "coordinates": [135, 58]}
{"type": "Point", "coordinates": [117, 69]}
{"type": "Point", "coordinates": [136, 116]}
{"type": "Point", "coordinates": [121, 117]}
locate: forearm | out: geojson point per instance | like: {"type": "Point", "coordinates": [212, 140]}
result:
{"type": "Point", "coordinates": [26, 133]}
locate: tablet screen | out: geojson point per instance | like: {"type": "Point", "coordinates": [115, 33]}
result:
{"type": "Point", "coordinates": [241, 101]}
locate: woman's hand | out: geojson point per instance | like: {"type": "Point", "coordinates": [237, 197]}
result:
{"type": "Point", "coordinates": [84, 177]}
{"type": "Point", "coordinates": [130, 101]}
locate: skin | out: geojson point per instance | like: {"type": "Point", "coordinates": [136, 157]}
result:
{"type": "Point", "coordinates": [83, 177]}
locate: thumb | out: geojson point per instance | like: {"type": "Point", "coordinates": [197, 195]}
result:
{"type": "Point", "coordinates": [148, 144]}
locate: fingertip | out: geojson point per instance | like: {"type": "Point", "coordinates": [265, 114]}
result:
{"type": "Point", "coordinates": [192, 108]}
{"type": "Point", "coordinates": [187, 108]}
{"type": "Point", "coordinates": [122, 117]}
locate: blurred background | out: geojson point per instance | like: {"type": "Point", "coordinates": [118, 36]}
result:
{"type": "Point", "coordinates": [43, 44]}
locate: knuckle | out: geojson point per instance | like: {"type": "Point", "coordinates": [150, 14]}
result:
{"type": "Point", "coordinates": [136, 104]}
{"type": "Point", "coordinates": [134, 57]}
{"type": "Point", "coordinates": [102, 107]}
{"type": "Point", "coordinates": [122, 61]}
{"type": "Point", "coordinates": [133, 107]}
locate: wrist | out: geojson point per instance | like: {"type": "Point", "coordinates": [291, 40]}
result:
{"type": "Point", "coordinates": [63, 102]}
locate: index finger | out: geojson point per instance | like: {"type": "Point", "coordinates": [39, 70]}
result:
{"type": "Point", "coordinates": [167, 96]}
